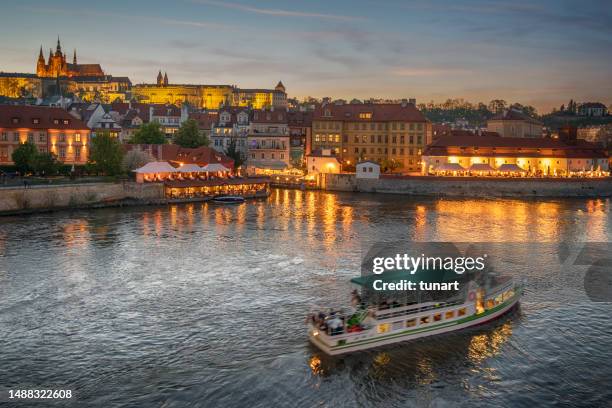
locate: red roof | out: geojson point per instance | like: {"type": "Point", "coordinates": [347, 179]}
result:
{"type": "Point", "coordinates": [369, 112]}
{"type": "Point", "coordinates": [278, 115]}
{"type": "Point", "coordinates": [24, 116]}
{"type": "Point", "coordinates": [199, 155]}
{"type": "Point", "coordinates": [299, 119]}
{"type": "Point", "coordinates": [205, 119]}
{"type": "Point", "coordinates": [475, 145]}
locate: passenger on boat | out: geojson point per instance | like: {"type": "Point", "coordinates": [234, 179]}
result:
{"type": "Point", "coordinates": [335, 324]}
{"type": "Point", "coordinates": [355, 298]}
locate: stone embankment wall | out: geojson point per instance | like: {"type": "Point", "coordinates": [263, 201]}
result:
{"type": "Point", "coordinates": [471, 187]}
{"type": "Point", "coordinates": [36, 198]}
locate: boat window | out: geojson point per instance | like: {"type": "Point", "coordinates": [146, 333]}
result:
{"type": "Point", "coordinates": [424, 320]}
{"type": "Point", "coordinates": [411, 323]}
{"type": "Point", "coordinates": [383, 327]}
{"type": "Point", "coordinates": [449, 315]}
{"type": "Point", "coordinates": [398, 325]}
{"type": "Point", "coordinates": [437, 317]}
{"type": "Point", "coordinates": [490, 303]}
{"type": "Point", "coordinates": [498, 299]}
{"type": "Point", "coordinates": [461, 312]}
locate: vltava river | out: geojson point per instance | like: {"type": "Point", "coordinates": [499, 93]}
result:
{"type": "Point", "coordinates": [201, 305]}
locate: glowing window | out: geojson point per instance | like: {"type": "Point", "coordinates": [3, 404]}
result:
{"type": "Point", "coordinates": [449, 315]}
{"type": "Point", "coordinates": [411, 323]}
{"type": "Point", "coordinates": [365, 115]}
{"type": "Point", "coordinates": [461, 312]}
{"type": "Point", "coordinates": [424, 320]}
{"type": "Point", "coordinates": [437, 317]}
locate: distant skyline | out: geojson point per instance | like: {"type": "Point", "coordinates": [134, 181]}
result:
{"type": "Point", "coordinates": [535, 53]}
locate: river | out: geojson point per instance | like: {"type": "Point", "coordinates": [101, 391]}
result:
{"type": "Point", "coordinates": [202, 305]}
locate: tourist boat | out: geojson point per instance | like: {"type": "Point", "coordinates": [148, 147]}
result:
{"type": "Point", "coordinates": [368, 326]}
{"type": "Point", "coordinates": [229, 200]}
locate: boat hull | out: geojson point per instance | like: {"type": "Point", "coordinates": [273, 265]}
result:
{"type": "Point", "coordinates": [382, 340]}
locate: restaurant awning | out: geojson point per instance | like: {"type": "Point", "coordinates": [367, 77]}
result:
{"type": "Point", "coordinates": [481, 167]}
{"type": "Point", "coordinates": [271, 165]}
{"type": "Point", "coordinates": [156, 167]}
{"type": "Point", "coordinates": [510, 168]}
{"type": "Point", "coordinates": [211, 167]}
{"type": "Point", "coordinates": [189, 168]}
{"type": "Point", "coordinates": [450, 167]}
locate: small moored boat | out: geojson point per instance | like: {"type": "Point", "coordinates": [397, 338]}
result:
{"type": "Point", "coordinates": [368, 325]}
{"type": "Point", "coordinates": [229, 200]}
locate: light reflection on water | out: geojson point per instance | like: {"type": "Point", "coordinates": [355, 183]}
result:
{"type": "Point", "coordinates": [203, 305]}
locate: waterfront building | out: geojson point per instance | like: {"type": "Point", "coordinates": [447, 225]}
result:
{"type": "Point", "coordinates": [300, 129]}
{"type": "Point", "coordinates": [485, 155]}
{"type": "Point", "coordinates": [232, 125]}
{"type": "Point", "coordinates": [379, 132]}
{"type": "Point", "coordinates": [268, 141]}
{"type": "Point", "coordinates": [178, 155]}
{"type": "Point", "coordinates": [322, 161]}
{"type": "Point", "coordinates": [513, 123]}
{"type": "Point", "coordinates": [52, 130]}
{"type": "Point", "coordinates": [367, 169]}
{"type": "Point", "coordinates": [597, 134]}
{"type": "Point", "coordinates": [169, 117]}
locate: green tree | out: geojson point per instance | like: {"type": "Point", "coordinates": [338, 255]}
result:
{"type": "Point", "coordinates": [189, 135]}
{"type": "Point", "coordinates": [24, 157]}
{"type": "Point", "coordinates": [149, 133]}
{"type": "Point", "coordinates": [46, 164]}
{"type": "Point", "coordinates": [106, 155]}
{"type": "Point", "coordinates": [233, 153]}
{"type": "Point", "coordinates": [388, 165]}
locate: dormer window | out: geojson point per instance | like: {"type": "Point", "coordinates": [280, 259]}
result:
{"type": "Point", "coordinates": [15, 120]}
{"type": "Point", "coordinates": [36, 121]}
{"type": "Point", "coordinates": [66, 121]}
{"type": "Point", "coordinates": [56, 121]}
{"type": "Point", "coordinates": [365, 115]}
{"type": "Point", "coordinates": [327, 112]}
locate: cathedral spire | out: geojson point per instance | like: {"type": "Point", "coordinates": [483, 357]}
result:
{"type": "Point", "coordinates": [74, 57]}
{"type": "Point", "coordinates": [165, 79]}
{"type": "Point", "coordinates": [159, 78]}
{"type": "Point", "coordinates": [40, 55]}
{"type": "Point", "coordinates": [59, 46]}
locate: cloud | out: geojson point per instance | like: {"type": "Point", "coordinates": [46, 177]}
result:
{"type": "Point", "coordinates": [276, 12]}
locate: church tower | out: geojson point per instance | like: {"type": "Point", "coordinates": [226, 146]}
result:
{"type": "Point", "coordinates": [160, 79]}
{"type": "Point", "coordinates": [40, 64]}
{"type": "Point", "coordinates": [165, 79]}
{"type": "Point", "coordinates": [74, 61]}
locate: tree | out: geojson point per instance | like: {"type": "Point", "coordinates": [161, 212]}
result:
{"type": "Point", "coordinates": [388, 165]}
{"type": "Point", "coordinates": [189, 135]}
{"type": "Point", "coordinates": [497, 105]}
{"type": "Point", "coordinates": [135, 159]}
{"type": "Point", "coordinates": [24, 157]}
{"type": "Point", "coordinates": [232, 152]}
{"type": "Point", "coordinates": [46, 164]}
{"type": "Point", "coordinates": [106, 154]}
{"type": "Point", "coordinates": [149, 133]}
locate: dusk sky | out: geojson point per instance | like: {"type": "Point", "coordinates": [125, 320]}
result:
{"type": "Point", "coordinates": [540, 53]}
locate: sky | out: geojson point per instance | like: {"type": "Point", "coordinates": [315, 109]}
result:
{"type": "Point", "coordinates": [540, 53]}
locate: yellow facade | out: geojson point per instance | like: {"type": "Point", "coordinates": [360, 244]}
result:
{"type": "Point", "coordinates": [201, 96]}
{"type": "Point", "coordinates": [15, 86]}
{"type": "Point", "coordinates": [400, 142]}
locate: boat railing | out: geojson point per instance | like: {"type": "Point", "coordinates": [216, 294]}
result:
{"type": "Point", "coordinates": [392, 312]}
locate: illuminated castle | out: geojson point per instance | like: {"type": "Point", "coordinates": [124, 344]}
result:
{"type": "Point", "coordinates": [57, 66]}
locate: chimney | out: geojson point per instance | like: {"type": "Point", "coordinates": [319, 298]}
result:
{"type": "Point", "coordinates": [412, 101]}
{"type": "Point", "coordinates": [404, 103]}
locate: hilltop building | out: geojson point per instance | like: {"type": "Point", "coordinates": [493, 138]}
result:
{"type": "Point", "coordinates": [513, 123]}
{"type": "Point", "coordinates": [58, 66]}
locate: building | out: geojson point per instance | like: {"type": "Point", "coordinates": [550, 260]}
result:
{"type": "Point", "coordinates": [208, 96]}
{"type": "Point", "coordinates": [178, 155]}
{"type": "Point", "coordinates": [513, 123]}
{"type": "Point", "coordinates": [378, 132]}
{"type": "Point", "coordinates": [261, 98]}
{"type": "Point", "coordinates": [592, 109]}
{"type": "Point", "coordinates": [367, 169]}
{"type": "Point", "coordinates": [104, 89]}
{"type": "Point", "coordinates": [52, 130]}
{"type": "Point", "coordinates": [300, 129]}
{"type": "Point", "coordinates": [268, 141]}
{"type": "Point", "coordinates": [169, 117]}
{"type": "Point", "coordinates": [206, 121]}
{"type": "Point", "coordinates": [601, 134]}
{"type": "Point", "coordinates": [322, 161]}
{"type": "Point", "coordinates": [17, 85]}
{"type": "Point", "coordinates": [58, 66]}
{"type": "Point", "coordinates": [534, 156]}
{"type": "Point", "coordinates": [232, 125]}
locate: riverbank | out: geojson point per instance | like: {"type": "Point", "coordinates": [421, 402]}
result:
{"type": "Point", "coordinates": [471, 186]}
{"type": "Point", "coordinates": [43, 198]}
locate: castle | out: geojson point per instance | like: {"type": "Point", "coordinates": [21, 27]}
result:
{"type": "Point", "coordinates": [57, 66]}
